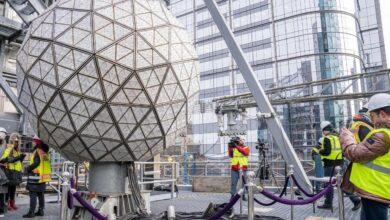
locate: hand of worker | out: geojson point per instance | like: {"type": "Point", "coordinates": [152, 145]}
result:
{"type": "Point", "coordinates": [22, 156]}
{"type": "Point", "coordinates": [346, 138]}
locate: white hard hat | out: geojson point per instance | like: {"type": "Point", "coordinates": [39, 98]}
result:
{"type": "Point", "coordinates": [325, 124]}
{"type": "Point", "coordinates": [3, 133]}
{"type": "Point", "coordinates": [242, 137]}
{"type": "Point", "coordinates": [36, 137]}
{"type": "Point", "coordinates": [378, 101]}
{"type": "Point", "coordinates": [3, 130]}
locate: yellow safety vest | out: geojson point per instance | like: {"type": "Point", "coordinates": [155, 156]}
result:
{"type": "Point", "coordinates": [238, 158]}
{"type": "Point", "coordinates": [41, 174]}
{"type": "Point", "coordinates": [17, 166]}
{"type": "Point", "coordinates": [336, 152]}
{"type": "Point", "coordinates": [355, 129]}
{"type": "Point", "coordinates": [374, 177]}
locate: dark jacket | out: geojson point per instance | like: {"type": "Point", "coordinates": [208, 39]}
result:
{"type": "Point", "coordinates": [325, 151]}
{"type": "Point", "coordinates": [35, 187]}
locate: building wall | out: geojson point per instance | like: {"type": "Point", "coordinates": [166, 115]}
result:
{"type": "Point", "coordinates": [287, 42]}
{"type": "Point", "coordinates": [375, 32]}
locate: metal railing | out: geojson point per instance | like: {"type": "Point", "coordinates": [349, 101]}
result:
{"type": "Point", "coordinates": [158, 173]}
{"type": "Point", "coordinates": [362, 85]}
{"type": "Point", "coordinates": [222, 168]}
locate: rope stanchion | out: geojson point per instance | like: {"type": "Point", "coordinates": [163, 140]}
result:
{"type": "Point", "coordinates": [87, 206]}
{"type": "Point", "coordinates": [70, 197]}
{"type": "Point", "coordinates": [70, 200]}
{"type": "Point", "coordinates": [331, 181]}
{"type": "Point", "coordinates": [296, 202]}
{"type": "Point", "coordinates": [280, 195]}
{"type": "Point", "coordinates": [228, 206]}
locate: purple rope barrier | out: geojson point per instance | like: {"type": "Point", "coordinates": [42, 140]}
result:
{"type": "Point", "coordinates": [72, 184]}
{"type": "Point", "coordinates": [297, 202]}
{"type": "Point", "coordinates": [70, 200]}
{"type": "Point", "coordinates": [228, 206]}
{"type": "Point", "coordinates": [304, 191]}
{"type": "Point", "coordinates": [280, 195]}
{"type": "Point", "coordinates": [88, 206]}
{"type": "Point", "coordinates": [70, 196]}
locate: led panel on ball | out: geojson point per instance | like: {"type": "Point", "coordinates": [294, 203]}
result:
{"type": "Point", "coordinates": [107, 80]}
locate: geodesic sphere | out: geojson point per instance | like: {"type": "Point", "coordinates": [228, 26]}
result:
{"type": "Point", "coordinates": [107, 80]}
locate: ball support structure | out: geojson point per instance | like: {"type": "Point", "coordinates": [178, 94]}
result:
{"type": "Point", "coordinates": [107, 83]}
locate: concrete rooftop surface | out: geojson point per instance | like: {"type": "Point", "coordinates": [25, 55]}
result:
{"type": "Point", "coordinates": [197, 202]}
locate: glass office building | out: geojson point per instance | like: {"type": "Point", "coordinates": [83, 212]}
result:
{"type": "Point", "coordinates": [375, 32]}
{"type": "Point", "coordinates": [287, 42]}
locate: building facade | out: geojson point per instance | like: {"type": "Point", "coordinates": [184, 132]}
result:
{"type": "Point", "coordinates": [287, 42]}
{"type": "Point", "coordinates": [375, 33]}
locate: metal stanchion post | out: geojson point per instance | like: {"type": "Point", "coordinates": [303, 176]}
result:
{"type": "Point", "coordinates": [251, 190]}
{"type": "Point", "coordinates": [290, 173]}
{"type": "Point", "coordinates": [339, 178]}
{"type": "Point", "coordinates": [173, 181]}
{"type": "Point", "coordinates": [240, 183]}
{"type": "Point", "coordinates": [58, 189]}
{"type": "Point", "coordinates": [64, 196]}
{"type": "Point", "coordinates": [141, 175]}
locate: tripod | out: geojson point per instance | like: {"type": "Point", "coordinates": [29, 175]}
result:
{"type": "Point", "coordinates": [264, 172]}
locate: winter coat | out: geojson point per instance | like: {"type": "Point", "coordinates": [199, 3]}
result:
{"type": "Point", "coordinates": [364, 152]}
{"type": "Point", "coordinates": [35, 187]}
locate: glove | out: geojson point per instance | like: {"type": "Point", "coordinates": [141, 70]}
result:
{"type": "Point", "coordinates": [21, 157]}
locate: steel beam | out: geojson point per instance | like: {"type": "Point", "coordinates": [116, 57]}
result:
{"type": "Point", "coordinates": [27, 10]}
{"type": "Point", "coordinates": [4, 85]}
{"type": "Point", "coordinates": [274, 125]}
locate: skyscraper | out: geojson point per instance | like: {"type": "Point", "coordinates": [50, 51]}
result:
{"type": "Point", "coordinates": [287, 42]}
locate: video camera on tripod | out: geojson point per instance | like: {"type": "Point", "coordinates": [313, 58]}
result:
{"type": "Point", "coordinates": [261, 145]}
{"type": "Point", "coordinates": [264, 168]}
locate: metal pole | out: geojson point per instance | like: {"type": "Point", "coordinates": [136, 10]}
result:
{"type": "Point", "coordinates": [273, 123]}
{"type": "Point", "coordinates": [141, 175]}
{"type": "Point", "coordinates": [251, 188]}
{"type": "Point", "coordinates": [58, 188]}
{"type": "Point", "coordinates": [173, 180]}
{"type": "Point", "coordinates": [291, 172]}
{"type": "Point", "coordinates": [243, 194]}
{"type": "Point", "coordinates": [339, 178]}
{"type": "Point", "coordinates": [64, 196]}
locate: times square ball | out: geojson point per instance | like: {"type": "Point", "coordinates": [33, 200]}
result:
{"type": "Point", "coordinates": [107, 80]}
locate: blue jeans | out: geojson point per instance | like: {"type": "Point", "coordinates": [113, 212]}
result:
{"type": "Point", "coordinates": [318, 170]}
{"type": "Point", "coordinates": [329, 195]}
{"type": "Point", "coordinates": [373, 210]}
{"type": "Point", "coordinates": [234, 178]}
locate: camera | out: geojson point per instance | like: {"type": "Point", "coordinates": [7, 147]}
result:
{"type": "Point", "coordinates": [233, 142]}
{"type": "Point", "coordinates": [261, 145]}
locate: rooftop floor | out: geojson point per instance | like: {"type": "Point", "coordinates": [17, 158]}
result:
{"type": "Point", "coordinates": [193, 202]}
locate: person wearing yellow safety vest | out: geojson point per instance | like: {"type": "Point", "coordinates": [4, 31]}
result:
{"type": "Point", "coordinates": [318, 166]}
{"type": "Point", "coordinates": [331, 156]}
{"type": "Point", "coordinates": [238, 154]}
{"type": "Point", "coordinates": [370, 174]}
{"type": "Point", "coordinates": [13, 159]}
{"type": "Point", "coordinates": [361, 125]}
{"type": "Point", "coordinates": [39, 173]}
